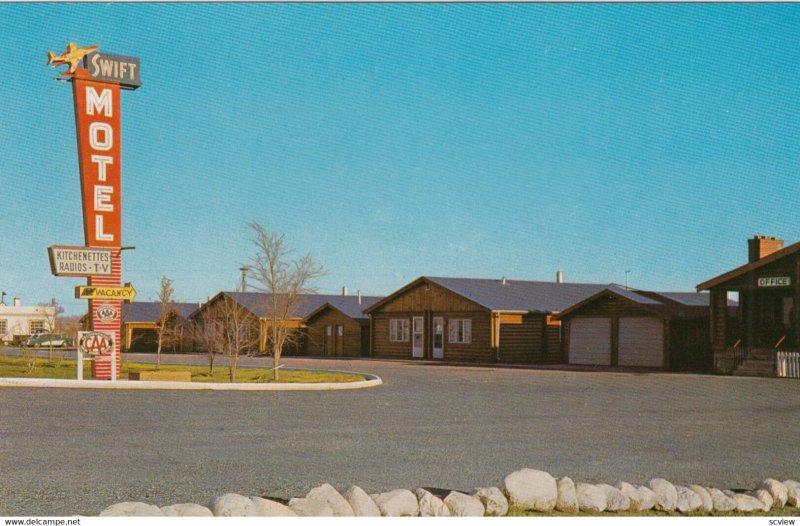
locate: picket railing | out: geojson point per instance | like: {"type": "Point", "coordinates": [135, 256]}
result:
{"type": "Point", "coordinates": [788, 364]}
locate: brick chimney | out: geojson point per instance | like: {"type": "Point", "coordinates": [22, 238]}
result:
{"type": "Point", "coordinates": [762, 246]}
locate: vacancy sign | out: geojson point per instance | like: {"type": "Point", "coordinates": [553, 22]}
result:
{"type": "Point", "coordinates": [79, 261]}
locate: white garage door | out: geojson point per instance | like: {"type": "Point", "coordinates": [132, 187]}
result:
{"type": "Point", "coordinates": [641, 342]}
{"type": "Point", "coordinates": [590, 341]}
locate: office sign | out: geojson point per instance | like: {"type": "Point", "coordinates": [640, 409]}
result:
{"type": "Point", "coordinates": [79, 261]}
{"type": "Point", "coordinates": [776, 281]}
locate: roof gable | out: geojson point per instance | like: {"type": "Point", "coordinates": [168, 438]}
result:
{"type": "Point", "coordinates": [347, 305]}
{"type": "Point", "coordinates": [744, 269]}
{"type": "Point", "coordinates": [507, 295]}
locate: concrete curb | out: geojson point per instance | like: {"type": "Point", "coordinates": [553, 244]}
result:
{"type": "Point", "coordinates": [371, 381]}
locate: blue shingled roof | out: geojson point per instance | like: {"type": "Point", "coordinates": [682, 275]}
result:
{"type": "Point", "coordinates": [255, 302]}
{"type": "Point", "coordinates": [148, 311]}
{"type": "Point", "coordinates": [515, 295]}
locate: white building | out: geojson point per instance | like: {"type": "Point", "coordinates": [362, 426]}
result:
{"type": "Point", "coordinates": [18, 322]}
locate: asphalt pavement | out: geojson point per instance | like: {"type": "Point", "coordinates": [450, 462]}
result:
{"type": "Point", "coordinates": [72, 451]}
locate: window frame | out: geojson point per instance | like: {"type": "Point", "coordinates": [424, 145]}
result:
{"type": "Point", "coordinates": [459, 331]}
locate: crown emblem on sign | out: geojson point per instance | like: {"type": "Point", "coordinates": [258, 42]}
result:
{"type": "Point", "coordinates": [72, 56]}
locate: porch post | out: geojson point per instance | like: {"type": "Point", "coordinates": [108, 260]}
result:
{"type": "Point", "coordinates": [796, 305]}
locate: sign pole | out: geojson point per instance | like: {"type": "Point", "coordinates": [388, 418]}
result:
{"type": "Point", "coordinates": [79, 357]}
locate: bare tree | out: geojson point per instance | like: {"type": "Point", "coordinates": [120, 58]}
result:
{"type": "Point", "coordinates": [51, 325]}
{"type": "Point", "coordinates": [226, 327]}
{"type": "Point", "coordinates": [166, 331]}
{"type": "Point", "coordinates": [285, 281]}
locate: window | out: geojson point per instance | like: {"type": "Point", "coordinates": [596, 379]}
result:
{"type": "Point", "coordinates": [328, 330]}
{"type": "Point", "coordinates": [36, 326]}
{"type": "Point", "coordinates": [460, 331]}
{"type": "Point", "coordinates": [398, 331]}
{"type": "Point", "coordinates": [3, 326]}
{"type": "Point", "coordinates": [340, 330]}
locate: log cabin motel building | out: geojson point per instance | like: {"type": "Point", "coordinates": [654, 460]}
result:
{"type": "Point", "coordinates": [764, 338]}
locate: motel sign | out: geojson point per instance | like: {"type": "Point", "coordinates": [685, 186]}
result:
{"type": "Point", "coordinates": [97, 79]}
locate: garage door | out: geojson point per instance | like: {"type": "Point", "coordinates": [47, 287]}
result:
{"type": "Point", "coordinates": [590, 341]}
{"type": "Point", "coordinates": [641, 342]}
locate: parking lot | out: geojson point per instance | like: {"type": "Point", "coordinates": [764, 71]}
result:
{"type": "Point", "coordinates": [69, 451]}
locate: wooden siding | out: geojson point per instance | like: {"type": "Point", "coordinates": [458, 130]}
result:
{"type": "Point", "coordinates": [350, 344]}
{"type": "Point", "coordinates": [428, 297]}
{"type": "Point", "coordinates": [523, 342]}
{"type": "Point", "coordinates": [478, 350]}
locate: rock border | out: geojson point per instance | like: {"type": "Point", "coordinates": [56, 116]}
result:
{"type": "Point", "coordinates": [526, 489]}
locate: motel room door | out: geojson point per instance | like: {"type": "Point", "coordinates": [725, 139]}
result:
{"type": "Point", "coordinates": [437, 345]}
{"type": "Point", "coordinates": [417, 336]}
{"type": "Point", "coordinates": [339, 341]}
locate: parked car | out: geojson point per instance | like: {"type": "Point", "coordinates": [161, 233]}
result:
{"type": "Point", "coordinates": [49, 340]}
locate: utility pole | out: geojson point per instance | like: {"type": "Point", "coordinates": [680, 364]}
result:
{"type": "Point", "coordinates": [244, 269]}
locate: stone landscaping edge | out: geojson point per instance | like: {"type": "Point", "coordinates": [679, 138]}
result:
{"type": "Point", "coordinates": [526, 489]}
{"type": "Point", "coordinates": [371, 380]}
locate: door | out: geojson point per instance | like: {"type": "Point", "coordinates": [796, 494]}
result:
{"type": "Point", "coordinates": [438, 338]}
{"type": "Point", "coordinates": [340, 340]}
{"type": "Point", "coordinates": [417, 336]}
{"type": "Point", "coordinates": [590, 341]}
{"type": "Point", "coordinates": [641, 342]}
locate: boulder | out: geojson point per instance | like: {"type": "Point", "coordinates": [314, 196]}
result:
{"type": "Point", "coordinates": [362, 504]}
{"type": "Point", "coordinates": [792, 492]}
{"type": "Point", "coordinates": [764, 497]}
{"type": "Point", "coordinates": [430, 505]}
{"type": "Point", "coordinates": [688, 501]}
{"type": "Point", "coordinates": [590, 498]}
{"type": "Point", "coordinates": [397, 503]}
{"type": "Point", "coordinates": [328, 494]}
{"type": "Point", "coordinates": [647, 498]}
{"type": "Point", "coordinates": [270, 508]}
{"type": "Point", "coordinates": [634, 497]}
{"type": "Point", "coordinates": [531, 489]}
{"type": "Point", "coordinates": [615, 499]}
{"type": "Point", "coordinates": [778, 490]}
{"type": "Point", "coordinates": [232, 505]}
{"type": "Point", "coordinates": [744, 503]}
{"type": "Point", "coordinates": [667, 494]}
{"type": "Point", "coordinates": [310, 508]}
{"type": "Point", "coordinates": [705, 496]}
{"type": "Point", "coordinates": [493, 501]}
{"type": "Point", "coordinates": [721, 501]}
{"type": "Point", "coordinates": [186, 510]}
{"type": "Point", "coordinates": [132, 509]}
{"type": "Point", "coordinates": [567, 501]}
{"type": "Point", "coordinates": [461, 505]}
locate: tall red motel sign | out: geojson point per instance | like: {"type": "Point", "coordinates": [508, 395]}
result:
{"type": "Point", "coordinates": [97, 79]}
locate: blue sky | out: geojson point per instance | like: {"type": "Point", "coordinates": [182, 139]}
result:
{"type": "Point", "coordinates": [399, 140]}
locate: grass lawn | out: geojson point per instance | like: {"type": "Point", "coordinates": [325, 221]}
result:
{"type": "Point", "coordinates": [774, 512]}
{"type": "Point", "coordinates": [17, 367]}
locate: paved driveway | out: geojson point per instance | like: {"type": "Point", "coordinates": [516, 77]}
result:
{"type": "Point", "coordinates": [68, 451]}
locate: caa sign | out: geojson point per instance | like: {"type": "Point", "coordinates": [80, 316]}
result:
{"type": "Point", "coordinates": [96, 342]}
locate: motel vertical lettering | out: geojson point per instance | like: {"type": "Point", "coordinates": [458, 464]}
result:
{"type": "Point", "coordinates": [97, 117]}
